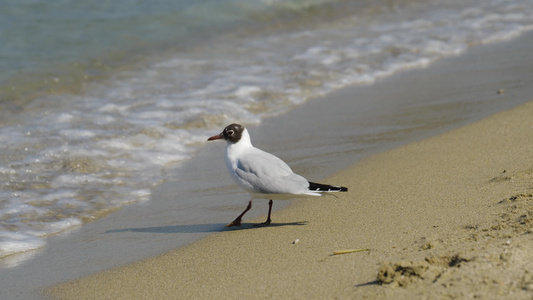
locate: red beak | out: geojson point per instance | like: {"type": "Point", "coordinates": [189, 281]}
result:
{"type": "Point", "coordinates": [216, 137]}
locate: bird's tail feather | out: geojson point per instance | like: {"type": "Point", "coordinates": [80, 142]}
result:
{"type": "Point", "coordinates": [318, 187]}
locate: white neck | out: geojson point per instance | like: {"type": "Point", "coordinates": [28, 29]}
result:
{"type": "Point", "coordinates": [245, 140]}
{"type": "Point", "coordinates": [233, 150]}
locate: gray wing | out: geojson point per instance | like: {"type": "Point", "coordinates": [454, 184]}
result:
{"type": "Point", "coordinates": [268, 174]}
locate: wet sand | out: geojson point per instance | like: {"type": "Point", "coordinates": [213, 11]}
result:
{"type": "Point", "coordinates": [448, 216]}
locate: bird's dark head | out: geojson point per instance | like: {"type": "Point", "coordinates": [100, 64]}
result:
{"type": "Point", "coordinates": [232, 133]}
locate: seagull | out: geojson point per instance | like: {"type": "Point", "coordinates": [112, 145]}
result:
{"type": "Point", "coordinates": [262, 174]}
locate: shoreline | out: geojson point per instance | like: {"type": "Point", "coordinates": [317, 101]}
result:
{"type": "Point", "coordinates": [398, 110]}
{"type": "Point", "coordinates": [423, 206]}
{"type": "Point", "coordinates": [423, 209]}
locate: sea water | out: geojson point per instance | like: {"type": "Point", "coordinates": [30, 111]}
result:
{"type": "Point", "coordinates": [100, 100]}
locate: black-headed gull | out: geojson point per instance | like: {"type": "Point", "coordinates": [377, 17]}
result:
{"type": "Point", "coordinates": [263, 174]}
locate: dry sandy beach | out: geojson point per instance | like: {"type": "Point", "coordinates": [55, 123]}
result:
{"type": "Point", "coordinates": [446, 217]}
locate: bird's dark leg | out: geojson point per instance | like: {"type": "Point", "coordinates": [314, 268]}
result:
{"type": "Point", "coordinates": [237, 221]}
{"type": "Point", "coordinates": [268, 221]}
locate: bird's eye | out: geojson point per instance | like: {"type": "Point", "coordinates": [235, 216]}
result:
{"type": "Point", "coordinates": [229, 132]}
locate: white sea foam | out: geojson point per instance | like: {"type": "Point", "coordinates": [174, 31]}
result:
{"type": "Point", "coordinates": [95, 152]}
{"type": "Point", "coordinates": [14, 242]}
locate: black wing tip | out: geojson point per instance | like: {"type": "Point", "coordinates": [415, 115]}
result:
{"type": "Point", "coordinates": [313, 186]}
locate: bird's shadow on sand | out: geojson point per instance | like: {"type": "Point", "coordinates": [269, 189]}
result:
{"type": "Point", "coordinates": [196, 228]}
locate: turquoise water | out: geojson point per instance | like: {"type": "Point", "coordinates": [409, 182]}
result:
{"type": "Point", "coordinates": [50, 46]}
{"type": "Point", "coordinates": [38, 36]}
